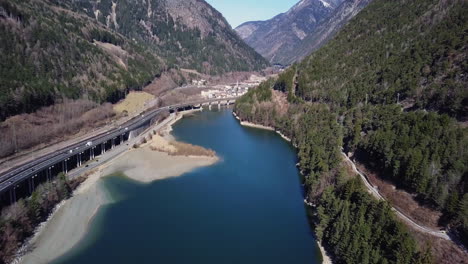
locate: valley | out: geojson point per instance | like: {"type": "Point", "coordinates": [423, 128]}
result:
{"type": "Point", "coordinates": [371, 94]}
{"type": "Point", "coordinates": [291, 36]}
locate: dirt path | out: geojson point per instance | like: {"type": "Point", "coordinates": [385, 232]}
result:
{"type": "Point", "coordinates": [401, 215]}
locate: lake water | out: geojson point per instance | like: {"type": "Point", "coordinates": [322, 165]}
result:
{"type": "Point", "coordinates": [248, 208]}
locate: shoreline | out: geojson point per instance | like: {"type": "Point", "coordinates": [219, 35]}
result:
{"type": "Point", "coordinates": [248, 124]}
{"type": "Point", "coordinates": [70, 220]}
{"type": "Point", "coordinates": [326, 259]}
{"type": "Point", "coordinates": [269, 128]}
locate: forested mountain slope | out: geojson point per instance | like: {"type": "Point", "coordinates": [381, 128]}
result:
{"type": "Point", "coordinates": [186, 33]}
{"type": "Point", "coordinates": [390, 88]}
{"type": "Point", "coordinates": [416, 50]}
{"type": "Point", "coordinates": [99, 49]}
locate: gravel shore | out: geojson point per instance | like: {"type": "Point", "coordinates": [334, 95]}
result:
{"type": "Point", "coordinates": [69, 223]}
{"type": "Point", "coordinates": [325, 258]}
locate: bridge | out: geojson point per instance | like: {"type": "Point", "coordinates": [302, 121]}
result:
{"type": "Point", "coordinates": [21, 181]}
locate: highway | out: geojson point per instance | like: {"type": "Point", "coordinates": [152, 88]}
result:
{"type": "Point", "coordinates": [117, 151]}
{"type": "Point", "coordinates": [24, 171]}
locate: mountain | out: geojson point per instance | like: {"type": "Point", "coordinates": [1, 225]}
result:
{"type": "Point", "coordinates": [276, 39]}
{"type": "Point", "coordinates": [181, 31]}
{"type": "Point", "coordinates": [53, 49]}
{"type": "Point", "coordinates": [389, 90]}
{"type": "Point", "coordinates": [326, 30]}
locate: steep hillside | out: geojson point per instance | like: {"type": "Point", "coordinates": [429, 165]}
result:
{"type": "Point", "coordinates": [390, 89]}
{"type": "Point", "coordinates": [54, 49]}
{"type": "Point", "coordinates": [412, 54]}
{"type": "Point", "coordinates": [47, 53]}
{"type": "Point", "coordinates": [187, 33]}
{"type": "Point", "coordinates": [326, 30]}
{"type": "Point", "coordinates": [277, 38]}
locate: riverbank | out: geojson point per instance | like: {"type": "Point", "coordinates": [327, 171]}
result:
{"type": "Point", "coordinates": [250, 124]}
{"type": "Point", "coordinates": [69, 223]}
{"type": "Point", "coordinates": [325, 257]}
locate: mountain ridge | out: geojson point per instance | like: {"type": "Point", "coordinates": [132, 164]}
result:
{"type": "Point", "coordinates": [389, 90]}
{"type": "Point", "coordinates": [327, 30]}
{"type": "Point", "coordinates": [99, 50]}
{"type": "Point", "coordinates": [333, 16]}
{"type": "Point", "coordinates": [276, 37]}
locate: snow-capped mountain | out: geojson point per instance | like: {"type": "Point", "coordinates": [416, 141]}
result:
{"type": "Point", "coordinates": [301, 29]}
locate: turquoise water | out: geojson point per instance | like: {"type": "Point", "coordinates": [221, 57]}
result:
{"type": "Point", "coordinates": [248, 208]}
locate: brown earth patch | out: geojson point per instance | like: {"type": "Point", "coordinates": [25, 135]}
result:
{"type": "Point", "coordinates": [281, 102]}
{"type": "Point", "coordinates": [118, 54]}
{"type": "Point", "coordinates": [403, 201]}
{"type": "Point", "coordinates": [135, 102]}
{"type": "Point", "coordinates": [443, 251]}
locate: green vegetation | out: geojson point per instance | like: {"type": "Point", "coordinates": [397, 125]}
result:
{"type": "Point", "coordinates": [355, 227]}
{"type": "Point", "coordinates": [390, 88]}
{"type": "Point", "coordinates": [406, 51]}
{"type": "Point", "coordinates": [18, 221]}
{"type": "Point", "coordinates": [180, 45]}
{"type": "Point", "coordinates": [52, 50]}
{"type": "Point", "coordinates": [261, 94]}
{"type": "Point", "coordinates": [423, 152]}
{"type": "Point", "coordinates": [48, 54]}
{"type": "Point", "coordinates": [313, 128]}
{"type": "Point", "coordinates": [361, 230]}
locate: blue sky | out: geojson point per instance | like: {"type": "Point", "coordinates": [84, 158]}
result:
{"type": "Point", "coordinates": [240, 11]}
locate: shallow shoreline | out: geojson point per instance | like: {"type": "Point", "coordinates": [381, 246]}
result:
{"type": "Point", "coordinates": [269, 128]}
{"type": "Point", "coordinates": [326, 258]}
{"type": "Point", "coordinates": [248, 124]}
{"type": "Point", "coordinates": [69, 222]}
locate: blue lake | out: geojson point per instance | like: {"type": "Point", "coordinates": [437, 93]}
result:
{"type": "Point", "coordinates": [248, 208]}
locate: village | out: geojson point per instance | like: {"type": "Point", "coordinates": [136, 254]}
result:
{"type": "Point", "coordinates": [227, 90]}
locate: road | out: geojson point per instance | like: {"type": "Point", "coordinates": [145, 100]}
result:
{"type": "Point", "coordinates": [438, 233]}
{"type": "Point", "coordinates": [117, 151]}
{"type": "Point", "coordinates": [25, 171]}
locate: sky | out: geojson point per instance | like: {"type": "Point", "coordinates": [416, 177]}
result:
{"type": "Point", "coordinates": [239, 11]}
